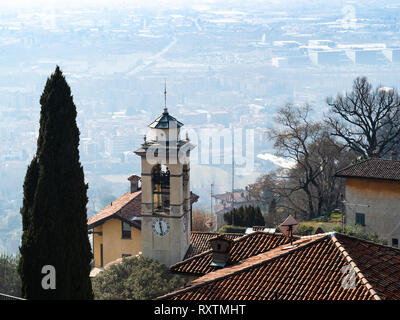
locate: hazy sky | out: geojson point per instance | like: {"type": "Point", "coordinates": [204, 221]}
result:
{"type": "Point", "coordinates": [153, 3]}
{"type": "Point", "coordinates": [83, 3]}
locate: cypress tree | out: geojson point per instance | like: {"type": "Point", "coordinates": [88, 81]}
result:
{"type": "Point", "coordinates": [54, 214]}
{"type": "Point", "coordinates": [258, 217]}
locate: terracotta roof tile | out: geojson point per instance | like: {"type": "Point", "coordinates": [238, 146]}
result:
{"type": "Point", "coordinates": [242, 248]}
{"type": "Point", "coordinates": [310, 271]}
{"type": "Point", "coordinates": [115, 207]}
{"type": "Point", "coordinates": [372, 168]}
{"type": "Point", "coordinates": [379, 264]}
{"type": "Point", "coordinates": [199, 241]}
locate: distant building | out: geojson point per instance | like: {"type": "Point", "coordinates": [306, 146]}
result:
{"type": "Point", "coordinates": [367, 56]}
{"type": "Point", "coordinates": [392, 54]}
{"type": "Point", "coordinates": [222, 117]}
{"type": "Point", "coordinates": [328, 57]}
{"type": "Point", "coordinates": [223, 203]}
{"type": "Point", "coordinates": [373, 197]}
{"type": "Point", "coordinates": [286, 44]}
{"type": "Point", "coordinates": [115, 146]}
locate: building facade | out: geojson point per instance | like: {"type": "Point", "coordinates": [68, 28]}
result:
{"type": "Point", "coordinates": [166, 216]}
{"type": "Point", "coordinates": [372, 197]}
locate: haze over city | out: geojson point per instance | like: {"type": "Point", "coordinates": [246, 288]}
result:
{"type": "Point", "coordinates": [226, 65]}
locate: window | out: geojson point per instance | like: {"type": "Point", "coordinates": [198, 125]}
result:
{"type": "Point", "coordinates": [395, 242]}
{"type": "Point", "coordinates": [360, 219]}
{"type": "Point", "coordinates": [125, 255]}
{"type": "Point", "coordinates": [126, 231]}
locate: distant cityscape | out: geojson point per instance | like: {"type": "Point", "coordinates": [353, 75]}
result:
{"type": "Point", "coordinates": [226, 65]}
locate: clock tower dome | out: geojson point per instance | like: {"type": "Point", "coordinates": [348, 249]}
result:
{"type": "Point", "coordinates": [165, 191]}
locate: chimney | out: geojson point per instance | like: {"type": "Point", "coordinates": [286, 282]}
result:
{"type": "Point", "coordinates": [134, 183]}
{"type": "Point", "coordinates": [394, 155]}
{"type": "Point", "coordinates": [375, 154]}
{"type": "Point", "coordinates": [220, 246]}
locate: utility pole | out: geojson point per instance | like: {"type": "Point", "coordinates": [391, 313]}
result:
{"type": "Point", "coordinates": [233, 175]}
{"type": "Point", "coordinates": [211, 195]}
{"type": "Point", "coordinates": [343, 209]}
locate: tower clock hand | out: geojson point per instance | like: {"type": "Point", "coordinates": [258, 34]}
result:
{"type": "Point", "coordinates": [159, 222]}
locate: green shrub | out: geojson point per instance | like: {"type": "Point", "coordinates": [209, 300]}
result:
{"type": "Point", "coordinates": [136, 278]}
{"type": "Point", "coordinates": [359, 232]}
{"type": "Point", "coordinates": [321, 219]}
{"type": "Point", "coordinates": [304, 230]}
{"type": "Point", "coordinates": [10, 282]}
{"type": "Point", "coordinates": [232, 229]}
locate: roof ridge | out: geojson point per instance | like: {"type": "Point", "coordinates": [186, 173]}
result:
{"type": "Point", "coordinates": [191, 258]}
{"type": "Point", "coordinates": [138, 192]}
{"type": "Point", "coordinates": [357, 270]}
{"type": "Point", "coordinates": [352, 165]}
{"type": "Point", "coordinates": [110, 210]}
{"type": "Point", "coordinates": [238, 267]}
{"type": "Point", "coordinates": [211, 232]}
{"type": "Point", "coordinates": [128, 192]}
{"type": "Point", "coordinates": [201, 254]}
{"type": "Point", "coordinates": [369, 241]}
{"type": "Point", "coordinates": [318, 235]}
{"type": "Point", "coordinates": [246, 235]}
{"type": "Point", "coordinates": [386, 159]}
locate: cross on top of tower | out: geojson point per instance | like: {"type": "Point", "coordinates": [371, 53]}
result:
{"type": "Point", "coordinates": [165, 97]}
{"type": "Point", "coordinates": [165, 120]}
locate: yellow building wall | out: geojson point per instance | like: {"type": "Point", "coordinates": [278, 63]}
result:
{"type": "Point", "coordinates": [379, 201]}
{"type": "Point", "coordinates": [113, 244]}
{"type": "Point", "coordinates": [375, 187]}
{"type": "Point", "coordinates": [97, 240]}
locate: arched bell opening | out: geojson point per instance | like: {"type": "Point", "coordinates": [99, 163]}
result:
{"type": "Point", "coordinates": [161, 188]}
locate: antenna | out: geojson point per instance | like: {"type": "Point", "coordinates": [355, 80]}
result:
{"type": "Point", "coordinates": [288, 227]}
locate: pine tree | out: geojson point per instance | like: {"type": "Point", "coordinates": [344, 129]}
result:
{"type": "Point", "coordinates": [54, 206]}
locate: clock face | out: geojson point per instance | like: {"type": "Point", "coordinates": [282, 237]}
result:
{"type": "Point", "coordinates": [160, 227]}
{"type": "Point", "coordinates": [184, 223]}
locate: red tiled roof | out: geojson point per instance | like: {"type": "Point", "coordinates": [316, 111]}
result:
{"type": "Point", "coordinates": [372, 168]}
{"type": "Point", "coordinates": [126, 207]}
{"type": "Point", "coordinates": [242, 248]}
{"type": "Point", "coordinates": [379, 264]}
{"type": "Point", "coordinates": [311, 270]}
{"type": "Point", "coordinates": [116, 209]}
{"type": "Point", "coordinates": [199, 241]}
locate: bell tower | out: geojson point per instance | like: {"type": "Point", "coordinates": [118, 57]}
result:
{"type": "Point", "coordinates": [165, 191]}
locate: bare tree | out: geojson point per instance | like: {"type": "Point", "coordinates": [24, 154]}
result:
{"type": "Point", "coordinates": [366, 119]}
{"type": "Point", "coordinates": [202, 221]}
{"type": "Point", "coordinates": [310, 187]}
